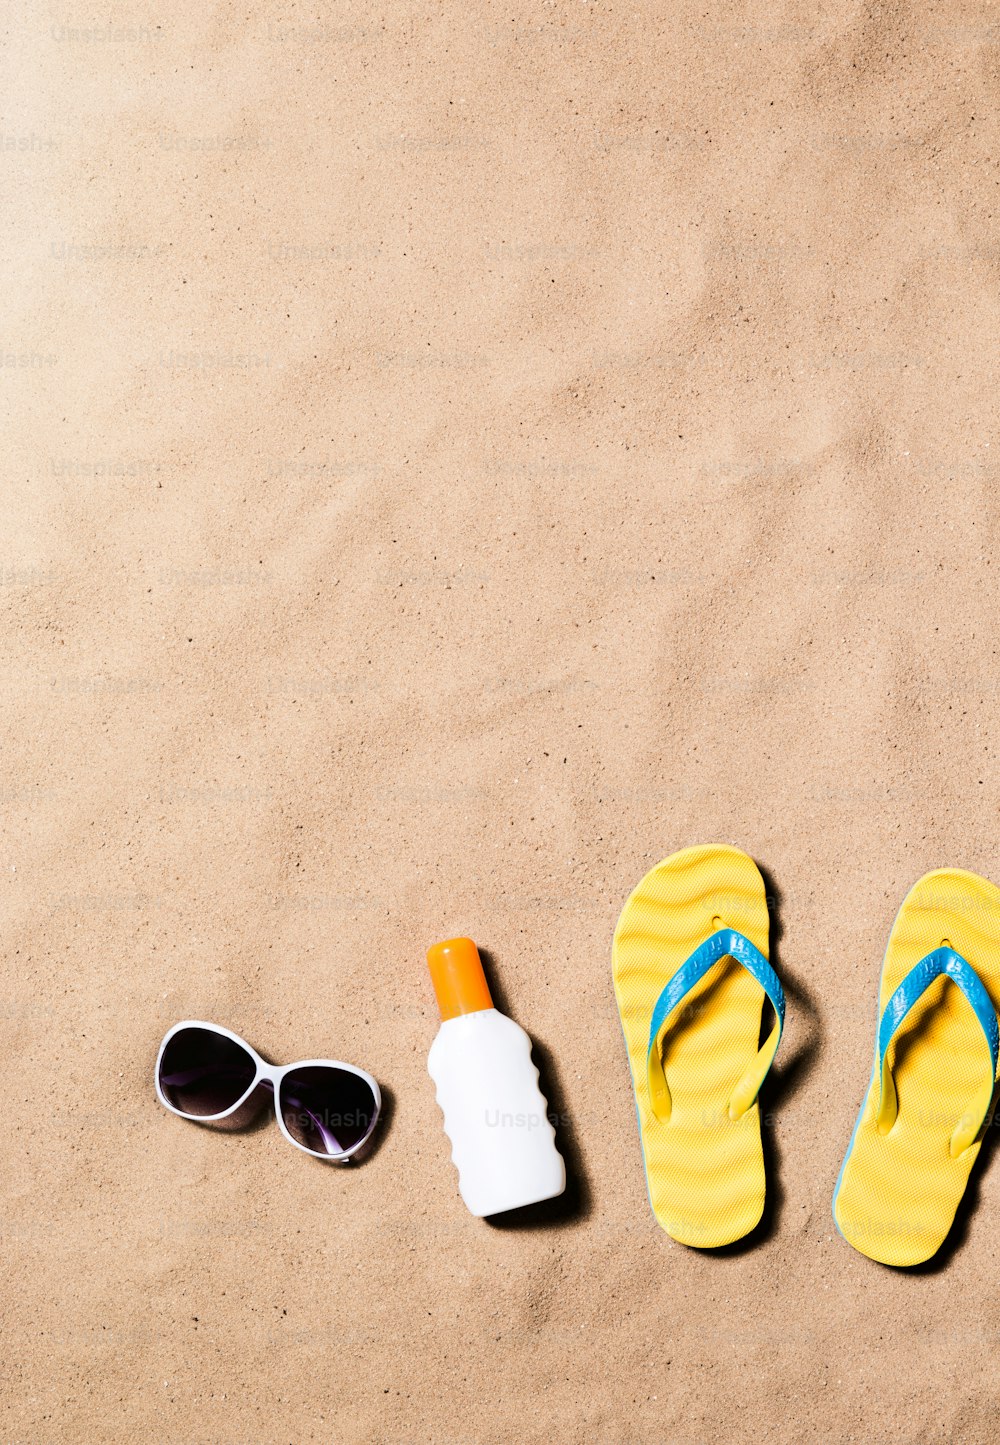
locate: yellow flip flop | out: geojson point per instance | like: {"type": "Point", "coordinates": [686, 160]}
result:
{"type": "Point", "coordinates": [691, 975]}
{"type": "Point", "coordinates": [921, 1124]}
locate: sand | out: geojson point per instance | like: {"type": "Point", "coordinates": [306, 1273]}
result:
{"type": "Point", "coordinates": [454, 460]}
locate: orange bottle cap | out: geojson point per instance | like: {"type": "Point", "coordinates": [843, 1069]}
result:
{"type": "Point", "coordinates": [458, 978]}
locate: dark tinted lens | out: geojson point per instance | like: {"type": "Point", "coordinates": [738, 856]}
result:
{"type": "Point", "coordinates": [202, 1073]}
{"type": "Point", "coordinates": [325, 1109]}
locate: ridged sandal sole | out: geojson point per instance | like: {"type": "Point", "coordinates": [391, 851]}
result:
{"type": "Point", "coordinates": [898, 1191]}
{"type": "Point", "coordinates": [704, 1170]}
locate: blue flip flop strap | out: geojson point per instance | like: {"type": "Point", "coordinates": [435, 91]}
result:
{"type": "Point", "coordinates": [726, 943]}
{"type": "Point", "coordinates": [952, 965]}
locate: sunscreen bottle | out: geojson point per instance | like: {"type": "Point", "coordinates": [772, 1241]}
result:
{"type": "Point", "coordinates": [495, 1115]}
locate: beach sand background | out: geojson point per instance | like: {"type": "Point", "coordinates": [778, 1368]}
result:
{"type": "Point", "coordinates": [453, 460]}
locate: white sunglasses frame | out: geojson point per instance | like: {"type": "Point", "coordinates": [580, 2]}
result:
{"type": "Point", "coordinates": [273, 1073]}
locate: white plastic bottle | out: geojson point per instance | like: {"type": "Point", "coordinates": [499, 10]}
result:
{"type": "Point", "coordinates": [495, 1115]}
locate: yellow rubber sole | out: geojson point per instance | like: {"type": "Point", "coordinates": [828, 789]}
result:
{"type": "Point", "coordinates": [897, 1192]}
{"type": "Point", "coordinates": [704, 1171]}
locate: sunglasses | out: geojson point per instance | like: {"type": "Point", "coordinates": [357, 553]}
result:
{"type": "Point", "coordinates": [326, 1108]}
